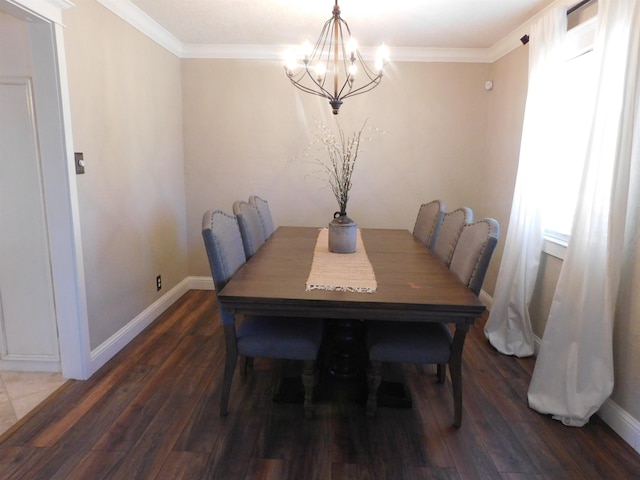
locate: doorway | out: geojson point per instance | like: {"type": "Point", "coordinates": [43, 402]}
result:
{"type": "Point", "coordinates": [40, 67]}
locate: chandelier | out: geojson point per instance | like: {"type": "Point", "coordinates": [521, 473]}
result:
{"type": "Point", "coordinates": [334, 68]}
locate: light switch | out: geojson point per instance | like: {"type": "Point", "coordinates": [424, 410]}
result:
{"type": "Point", "coordinates": [79, 156]}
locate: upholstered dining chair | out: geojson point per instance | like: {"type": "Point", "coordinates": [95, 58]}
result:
{"type": "Point", "coordinates": [473, 252]}
{"type": "Point", "coordinates": [432, 343]}
{"type": "Point", "coordinates": [256, 336]}
{"type": "Point", "coordinates": [250, 227]}
{"type": "Point", "coordinates": [449, 232]}
{"type": "Point", "coordinates": [428, 222]}
{"type": "Point", "coordinates": [265, 214]}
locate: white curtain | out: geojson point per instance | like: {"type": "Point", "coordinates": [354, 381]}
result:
{"type": "Point", "coordinates": [573, 375]}
{"type": "Point", "coordinates": [509, 327]}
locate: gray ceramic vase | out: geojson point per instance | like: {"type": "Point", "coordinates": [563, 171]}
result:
{"type": "Point", "coordinates": [342, 234]}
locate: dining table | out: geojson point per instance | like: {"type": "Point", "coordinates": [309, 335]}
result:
{"type": "Point", "coordinates": [402, 280]}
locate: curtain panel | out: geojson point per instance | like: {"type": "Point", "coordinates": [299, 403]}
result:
{"type": "Point", "coordinates": [509, 326]}
{"type": "Point", "coordinates": [573, 375]}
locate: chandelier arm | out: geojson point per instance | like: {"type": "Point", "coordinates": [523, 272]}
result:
{"type": "Point", "coordinates": [372, 75]}
{"type": "Point", "coordinates": [323, 93]}
{"type": "Point", "coordinates": [324, 43]}
{"type": "Point", "coordinates": [345, 59]}
{"type": "Point", "coordinates": [326, 94]}
{"type": "Point", "coordinates": [322, 39]}
{"type": "Point", "coordinates": [346, 84]}
{"type": "Point", "coordinates": [374, 79]}
{"type": "Point", "coordinates": [374, 82]}
{"type": "Point", "coordinates": [366, 88]}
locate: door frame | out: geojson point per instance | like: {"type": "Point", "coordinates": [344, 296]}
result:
{"type": "Point", "coordinates": [52, 104]}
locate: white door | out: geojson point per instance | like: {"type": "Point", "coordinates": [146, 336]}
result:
{"type": "Point", "coordinates": [28, 333]}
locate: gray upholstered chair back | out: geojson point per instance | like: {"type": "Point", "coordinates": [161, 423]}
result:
{"type": "Point", "coordinates": [250, 227]}
{"type": "Point", "coordinates": [225, 251]}
{"type": "Point", "coordinates": [428, 222]}
{"type": "Point", "coordinates": [450, 231]}
{"type": "Point", "coordinates": [473, 252]}
{"type": "Point", "coordinates": [265, 214]}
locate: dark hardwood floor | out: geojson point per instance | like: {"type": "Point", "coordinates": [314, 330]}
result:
{"type": "Point", "coordinates": [152, 413]}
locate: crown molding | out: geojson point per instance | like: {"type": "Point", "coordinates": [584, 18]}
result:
{"type": "Point", "coordinates": [50, 10]}
{"type": "Point", "coordinates": [399, 54]}
{"type": "Point", "coordinates": [454, 55]}
{"type": "Point", "coordinates": [253, 52]}
{"type": "Point", "coordinates": [145, 24]}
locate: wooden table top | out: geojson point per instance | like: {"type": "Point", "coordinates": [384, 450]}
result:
{"type": "Point", "coordinates": [412, 283]}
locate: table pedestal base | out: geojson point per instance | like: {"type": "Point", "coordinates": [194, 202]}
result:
{"type": "Point", "coordinates": [346, 353]}
{"type": "Point", "coordinates": [332, 390]}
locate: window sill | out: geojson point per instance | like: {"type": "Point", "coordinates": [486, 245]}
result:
{"type": "Point", "coordinates": [554, 247]}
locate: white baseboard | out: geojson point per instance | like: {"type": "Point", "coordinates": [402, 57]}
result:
{"type": "Point", "coordinates": [201, 283]}
{"type": "Point", "coordinates": [105, 351]}
{"type": "Point", "coordinates": [621, 422]}
{"type": "Point", "coordinates": [486, 299]}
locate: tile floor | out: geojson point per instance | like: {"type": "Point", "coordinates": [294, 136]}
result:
{"type": "Point", "coordinates": [20, 392]}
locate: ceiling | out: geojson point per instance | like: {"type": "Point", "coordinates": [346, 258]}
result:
{"type": "Point", "coordinates": [400, 23]}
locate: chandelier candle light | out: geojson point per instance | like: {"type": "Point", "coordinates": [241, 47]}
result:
{"type": "Point", "coordinates": [333, 60]}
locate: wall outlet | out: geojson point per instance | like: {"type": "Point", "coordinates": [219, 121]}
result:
{"type": "Point", "coordinates": [158, 283]}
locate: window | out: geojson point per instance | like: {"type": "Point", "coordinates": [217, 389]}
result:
{"type": "Point", "coordinates": [578, 96]}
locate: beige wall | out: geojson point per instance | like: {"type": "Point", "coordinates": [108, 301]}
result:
{"type": "Point", "coordinates": [626, 329]}
{"type": "Point", "coordinates": [548, 274]}
{"type": "Point", "coordinates": [127, 120]}
{"type": "Point", "coordinates": [244, 123]}
{"type": "Point", "coordinates": [504, 129]}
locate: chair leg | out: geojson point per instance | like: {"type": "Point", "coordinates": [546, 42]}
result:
{"type": "Point", "coordinates": [455, 369]}
{"type": "Point", "coordinates": [456, 383]}
{"type": "Point", "coordinates": [442, 372]}
{"type": "Point", "coordinates": [310, 381]}
{"type": "Point", "coordinates": [374, 378]}
{"type": "Point", "coordinates": [229, 366]}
